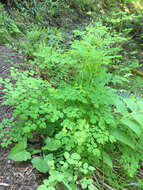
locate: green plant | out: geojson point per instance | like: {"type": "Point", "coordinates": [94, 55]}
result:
{"type": "Point", "coordinates": [19, 153]}
{"type": "Point", "coordinates": [67, 173]}
{"type": "Point", "coordinates": [8, 28]}
{"type": "Point", "coordinates": [81, 121]}
{"type": "Point", "coordinates": [125, 72]}
{"type": "Point", "coordinates": [42, 13]}
{"type": "Point", "coordinates": [131, 123]}
{"type": "Point", "coordinates": [34, 39]}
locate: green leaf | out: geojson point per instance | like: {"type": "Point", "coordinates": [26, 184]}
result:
{"type": "Point", "coordinates": [68, 186]}
{"type": "Point", "coordinates": [51, 144]}
{"type": "Point", "coordinates": [85, 165]}
{"type": "Point", "coordinates": [91, 168]}
{"type": "Point", "coordinates": [75, 156]}
{"type": "Point", "coordinates": [34, 151]}
{"type": "Point", "coordinates": [138, 117]}
{"type": "Point", "coordinates": [140, 104]}
{"type": "Point", "coordinates": [67, 155]}
{"type": "Point", "coordinates": [120, 107]}
{"type": "Point", "coordinates": [130, 104]}
{"type": "Point", "coordinates": [56, 176]}
{"type": "Point", "coordinates": [42, 187]}
{"type": "Point", "coordinates": [107, 159]}
{"type": "Point", "coordinates": [42, 164]}
{"type": "Point", "coordinates": [18, 152]}
{"type": "Point", "coordinates": [51, 188]}
{"type": "Point", "coordinates": [92, 187]}
{"type": "Point", "coordinates": [123, 137]}
{"type": "Point", "coordinates": [1, 80]}
{"type": "Point", "coordinates": [133, 125]}
{"type": "Point", "coordinates": [46, 182]}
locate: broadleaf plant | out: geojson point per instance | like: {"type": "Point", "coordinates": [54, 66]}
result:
{"type": "Point", "coordinates": [19, 153]}
{"type": "Point", "coordinates": [77, 116]}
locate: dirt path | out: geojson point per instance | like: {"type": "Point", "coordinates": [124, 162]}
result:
{"type": "Point", "coordinates": [7, 58]}
{"type": "Point", "coordinates": [13, 175]}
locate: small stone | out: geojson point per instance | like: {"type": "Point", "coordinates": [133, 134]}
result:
{"type": "Point", "coordinates": [8, 178]}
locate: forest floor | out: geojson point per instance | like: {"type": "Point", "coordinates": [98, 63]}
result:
{"type": "Point", "coordinates": [16, 175]}
{"type": "Point", "coordinates": [22, 175]}
{"type": "Point", "coordinates": [13, 175]}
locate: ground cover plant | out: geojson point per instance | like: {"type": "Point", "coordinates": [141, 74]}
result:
{"type": "Point", "coordinates": [68, 97]}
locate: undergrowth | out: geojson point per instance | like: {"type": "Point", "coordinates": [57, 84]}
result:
{"type": "Point", "coordinates": [80, 120]}
{"type": "Point", "coordinates": [67, 97]}
{"type": "Point", "coordinates": [8, 28]}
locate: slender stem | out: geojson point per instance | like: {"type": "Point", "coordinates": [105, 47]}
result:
{"type": "Point", "coordinates": [102, 168]}
{"type": "Point", "coordinates": [66, 185]}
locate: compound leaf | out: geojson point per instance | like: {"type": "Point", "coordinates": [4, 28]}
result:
{"type": "Point", "coordinates": [124, 138]}
{"type": "Point", "coordinates": [133, 125]}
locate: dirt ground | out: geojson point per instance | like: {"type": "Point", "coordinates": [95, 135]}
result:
{"type": "Point", "coordinates": [13, 175]}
